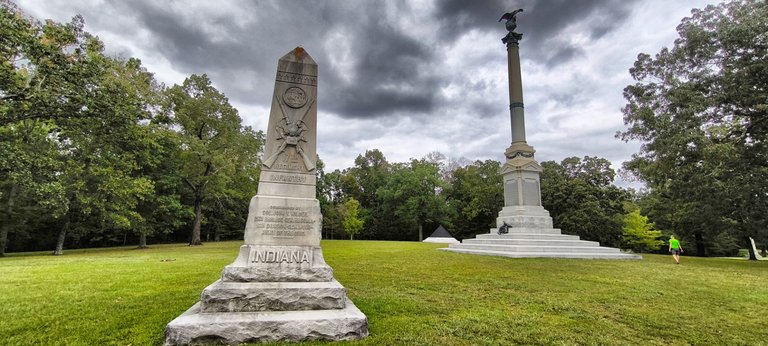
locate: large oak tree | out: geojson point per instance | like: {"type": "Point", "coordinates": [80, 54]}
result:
{"type": "Point", "coordinates": [700, 110]}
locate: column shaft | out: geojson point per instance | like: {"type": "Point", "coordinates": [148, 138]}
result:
{"type": "Point", "coordinates": [516, 109]}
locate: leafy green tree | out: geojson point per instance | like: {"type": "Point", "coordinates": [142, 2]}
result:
{"type": "Point", "coordinates": [475, 194]}
{"type": "Point", "coordinates": [226, 206]}
{"type": "Point", "coordinates": [54, 77]}
{"type": "Point", "coordinates": [28, 187]}
{"type": "Point", "coordinates": [162, 212]}
{"type": "Point", "coordinates": [362, 181]}
{"type": "Point", "coordinates": [638, 234]}
{"type": "Point", "coordinates": [209, 129]}
{"type": "Point", "coordinates": [330, 195]}
{"type": "Point", "coordinates": [366, 177]}
{"type": "Point", "coordinates": [412, 193]}
{"type": "Point", "coordinates": [699, 110]}
{"type": "Point", "coordinates": [350, 221]}
{"type": "Point", "coordinates": [104, 157]}
{"type": "Point", "coordinates": [47, 71]}
{"type": "Point", "coordinates": [580, 196]}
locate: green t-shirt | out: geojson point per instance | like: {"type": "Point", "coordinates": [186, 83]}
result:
{"type": "Point", "coordinates": [674, 244]}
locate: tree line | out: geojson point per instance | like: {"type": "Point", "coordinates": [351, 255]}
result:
{"type": "Point", "coordinates": [95, 152]}
{"type": "Point", "coordinates": [407, 201]}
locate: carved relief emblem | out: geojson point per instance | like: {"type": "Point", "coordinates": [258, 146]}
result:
{"type": "Point", "coordinates": [295, 97]}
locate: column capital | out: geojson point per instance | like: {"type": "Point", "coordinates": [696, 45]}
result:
{"type": "Point", "coordinates": [512, 39]}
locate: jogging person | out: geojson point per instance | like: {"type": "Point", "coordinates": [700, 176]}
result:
{"type": "Point", "coordinates": [675, 249]}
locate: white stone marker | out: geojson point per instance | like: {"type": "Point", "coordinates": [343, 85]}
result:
{"type": "Point", "coordinates": [279, 286]}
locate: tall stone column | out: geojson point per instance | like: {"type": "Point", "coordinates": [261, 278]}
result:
{"type": "Point", "coordinates": [524, 227]}
{"type": "Point", "coordinates": [522, 192]}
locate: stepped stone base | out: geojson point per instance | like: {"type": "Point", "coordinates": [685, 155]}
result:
{"type": "Point", "coordinates": [272, 296]}
{"type": "Point", "coordinates": [232, 328]}
{"type": "Point", "coordinates": [527, 242]}
{"type": "Point", "coordinates": [622, 256]}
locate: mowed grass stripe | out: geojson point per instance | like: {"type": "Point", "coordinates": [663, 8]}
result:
{"type": "Point", "coordinates": [411, 292]}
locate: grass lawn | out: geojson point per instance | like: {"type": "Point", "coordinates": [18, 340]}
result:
{"type": "Point", "coordinates": [411, 293]}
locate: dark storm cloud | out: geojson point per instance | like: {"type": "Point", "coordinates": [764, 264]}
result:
{"type": "Point", "coordinates": [391, 74]}
{"type": "Point", "coordinates": [185, 42]}
{"type": "Point", "coordinates": [544, 24]}
{"type": "Point", "coordinates": [391, 71]}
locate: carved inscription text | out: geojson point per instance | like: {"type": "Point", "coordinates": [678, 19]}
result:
{"type": "Point", "coordinates": [288, 178]}
{"type": "Point", "coordinates": [285, 222]}
{"type": "Point", "coordinates": [296, 78]}
{"type": "Point", "coordinates": [278, 256]}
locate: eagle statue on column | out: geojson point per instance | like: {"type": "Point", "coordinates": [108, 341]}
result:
{"type": "Point", "coordinates": [511, 23]}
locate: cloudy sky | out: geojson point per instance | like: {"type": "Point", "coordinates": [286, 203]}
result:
{"type": "Point", "coordinates": [404, 77]}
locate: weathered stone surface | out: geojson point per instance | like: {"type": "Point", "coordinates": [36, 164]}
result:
{"type": "Point", "coordinates": [525, 221]}
{"type": "Point", "coordinates": [279, 286]}
{"type": "Point", "coordinates": [233, 328]}
{"type": "Point", "coordinates": [272, 296]}
{"type": "Point", "coordinates": [290, 152]}
{"type": "Point", "coordinates": [283, 221]}
{"type": "Point", "coordinates": [285, 274]}
{"type": "Point", "coordinates": [256, 263]}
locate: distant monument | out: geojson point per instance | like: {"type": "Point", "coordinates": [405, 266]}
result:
{"type": "Point", "coordinates": [441, 235]}
{"type": "Point", "coordinates": [279, 286]}
{"type": "Point", "coordinates": [524, 226]}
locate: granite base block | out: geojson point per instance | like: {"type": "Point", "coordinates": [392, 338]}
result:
{"type": "Point", "coordinates": [272, 296]}
{"type": "Point", "coordinates": [232, 328]}
{"type": "Point", "coordinates": [277, 274]}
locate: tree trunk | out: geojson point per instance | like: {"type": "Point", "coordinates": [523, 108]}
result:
{"type": "Point", "coordinates": [751, 249]}
{"type": "Point", "coordinates": [142, 240]}
{"type": "Point", "coordinates": [4, 237]}
{"type": "Point", "coordinates": [6, 226]}
{"type": "Point", "coordinates": [700, 248]}
{"type": "Point", "coordinates": [195, 240]}
{"type": "Point", "coordinates": [60, 241]}
{"type": "Point", "coordinates": [421, 235]}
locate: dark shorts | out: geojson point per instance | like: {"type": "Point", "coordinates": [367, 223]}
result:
{"type": "Point", "coordinates": [675, 251]}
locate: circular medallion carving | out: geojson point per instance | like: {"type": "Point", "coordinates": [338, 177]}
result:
{"type": "Point", "coordinates": [295, 97]}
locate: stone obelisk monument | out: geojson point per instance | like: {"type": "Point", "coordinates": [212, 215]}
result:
{"type": "Point", "coordinates": [524, 227]}
{"type": "Point", "coordinates": [279, 286]}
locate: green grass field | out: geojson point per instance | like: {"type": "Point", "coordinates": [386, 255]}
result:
{"type": "Point", "coordinates": [411, 293]}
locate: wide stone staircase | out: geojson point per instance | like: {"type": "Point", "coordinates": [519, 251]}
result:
{"type": "Point", "coordinates": [537, 242]}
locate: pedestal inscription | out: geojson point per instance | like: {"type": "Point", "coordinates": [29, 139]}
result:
{"type": "Point", "coordinates": [283, 221]}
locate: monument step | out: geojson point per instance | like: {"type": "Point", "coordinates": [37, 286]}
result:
{"type": "Point", "coordinates": [224, 296]}
{"type": "Point", "coordinates": [526, 236]}
{"type": "Point", "coordinates": [537, 248]}
{"type": "Point", "coordinates": [516, 236]}
{"type": "Point", "coordinates": [534, 254]}
{"type": "Point", "coordinates": [530, 235]}
{"type": "Point", "coordinates": [194, 327]}
{"type": "Point", "coordinates": [533, 242]}
{"type": "Point", "coordinates": [527, 230]}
